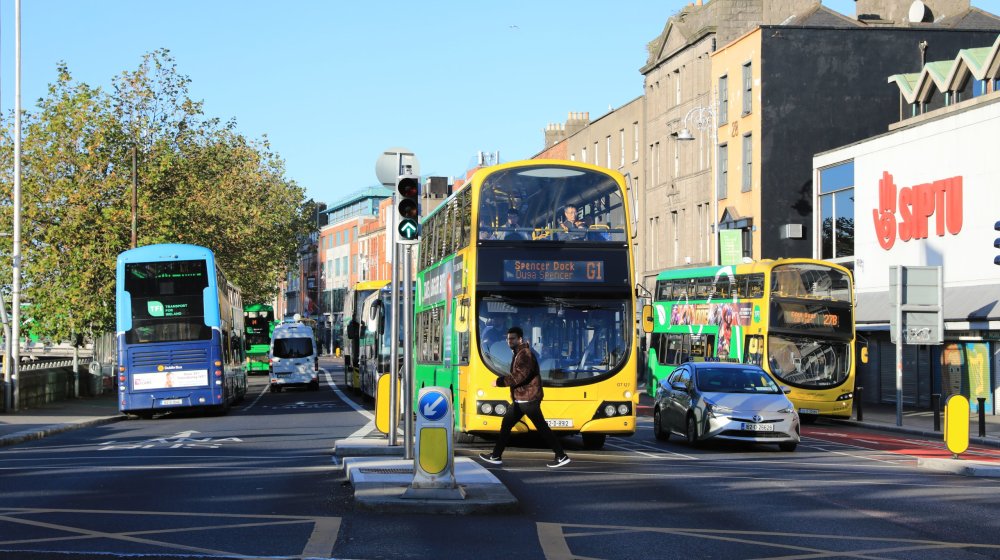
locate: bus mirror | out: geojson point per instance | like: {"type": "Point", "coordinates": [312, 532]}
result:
{"type": "Point", "coordinates": [462, 317]}
{"type": "Point", "coordinates": [647, 318]}
{"type": "Point", "coordinates": [864, 354]}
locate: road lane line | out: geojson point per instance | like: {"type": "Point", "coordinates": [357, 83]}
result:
{"type": "Point", "coordinates": [363, 430]}
{"type": "Point", "coordinates": [323, 538]}
{"type": "Point", "coordinates": [261, 394]}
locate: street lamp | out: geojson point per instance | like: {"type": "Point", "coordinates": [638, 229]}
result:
{"type": "Point", "coordinates": [703, 118]}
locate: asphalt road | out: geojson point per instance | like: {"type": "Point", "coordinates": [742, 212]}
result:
{"type": "Point", "coordinates": [259, 483]}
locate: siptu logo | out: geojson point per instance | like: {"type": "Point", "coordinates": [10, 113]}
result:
{"type": "Point", "coordinates": [941, 199]}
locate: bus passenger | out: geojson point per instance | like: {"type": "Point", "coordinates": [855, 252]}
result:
{"type": "Point", "coordinates": [510, 227]}
{"type": "Point", "coordinates": [572, 227]}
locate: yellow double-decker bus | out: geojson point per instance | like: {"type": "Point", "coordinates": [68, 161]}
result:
{"type": "Point", "coordinates": [544, 245]}
{"type": "Point", "coordinates": [793, 317]}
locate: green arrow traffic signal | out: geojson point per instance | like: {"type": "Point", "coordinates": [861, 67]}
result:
{"type": "Point", "coordinates": [408, 229]}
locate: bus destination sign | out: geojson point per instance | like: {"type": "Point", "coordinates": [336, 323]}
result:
{"type": "Point", "coordinates": [551, 270]}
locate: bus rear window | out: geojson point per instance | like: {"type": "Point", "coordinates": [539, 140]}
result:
{"type": "Point", "coordinates": [293, 347]}
{"type": "Point", "coordinates": [167, 301]}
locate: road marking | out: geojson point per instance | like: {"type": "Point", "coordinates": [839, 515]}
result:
{"type": "Point", "coordinates": [259, 395]}
{"type": "Point", "coordinates": [554, 539]}
{"type": "Point", "coordinates": [320, 543]}
{"type": "Point", "coordinates": [363, 430]}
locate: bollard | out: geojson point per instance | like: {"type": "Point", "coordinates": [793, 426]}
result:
{"type": "Point", "coordinates": [936, 407]}
{"type": "Point", "coordinates": [982, 416]}
{"type": "Point", "coordinates": [860, 413]}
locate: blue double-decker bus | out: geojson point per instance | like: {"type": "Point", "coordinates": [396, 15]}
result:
{"type": "Point", "coordinates": [180, 332]}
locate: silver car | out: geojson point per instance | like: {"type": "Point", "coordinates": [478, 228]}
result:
{"type": "Point", "coordinates": [702, 400]}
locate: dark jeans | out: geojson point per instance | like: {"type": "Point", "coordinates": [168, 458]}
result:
{"type": "Point", "coordinates": [533, 410]}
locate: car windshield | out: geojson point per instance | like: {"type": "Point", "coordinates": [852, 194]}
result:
{"type": "Point", "coordinates": [731, 380]}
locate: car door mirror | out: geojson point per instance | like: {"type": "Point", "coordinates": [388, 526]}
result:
{"type": "Point", "coordinates": [679, 386]}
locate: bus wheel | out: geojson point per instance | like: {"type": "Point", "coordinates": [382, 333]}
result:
{"type": "Point", "coordinates": [594, 441]}
{"type": "Point", "coordinates": [143, 414]}
{"type": "Point", "coordinates": [462, 437]}
{"type": "Point", "coordinates": [658, 431]}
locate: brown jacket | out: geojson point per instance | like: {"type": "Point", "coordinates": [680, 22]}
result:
{"type": "Point", "coordinates": [524, 379]}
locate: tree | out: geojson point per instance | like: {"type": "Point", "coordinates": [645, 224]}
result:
{"type": "Point", "coordinates": [200, 182]}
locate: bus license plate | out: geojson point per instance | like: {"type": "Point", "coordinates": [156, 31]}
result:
{"type": "Point", "coordinates": [758, 427]}
{"type": "Point", "coordinates": [808, 411]}
{"type": "Point", "coordinates": [559, 423]}
{"type": "Point", "coordinates": [171, 401]}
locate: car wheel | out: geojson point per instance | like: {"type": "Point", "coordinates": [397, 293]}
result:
{"type": "Point", "coordinates": [658, 431]}
{"type": "Point", "coordinates": [788, 446]}
{"type": "Point", "coordinates": [594, 441]}
{"type": "Point", "coordinates": [692, 431]}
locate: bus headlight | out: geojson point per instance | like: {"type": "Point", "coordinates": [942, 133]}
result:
{"type": "Point", "coordinates": [491, 408]}
{"type": "Point", "coordinates": [845, 397]}
{"type": "Point", "coordinates": [628, 395]}
{"type": "Point", "coordinates": [611, 409]}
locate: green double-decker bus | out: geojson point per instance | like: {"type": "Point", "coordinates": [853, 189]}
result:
{"type": "Point", "coordinates": [258, 320]}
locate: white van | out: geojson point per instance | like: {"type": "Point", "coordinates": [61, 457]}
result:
{"type": "Point", "coordinates": [294, 361]}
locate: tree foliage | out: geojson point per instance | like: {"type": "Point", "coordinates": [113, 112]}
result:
{"type": "Point", "coordinates": [199, 181]}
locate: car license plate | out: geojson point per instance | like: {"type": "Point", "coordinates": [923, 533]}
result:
{"type": "Point", "coordinates": [758, 427]}
{"type": "Point", "coordinates": [808, 411]}
{"type": "Point", "coordinates": [559, 423]}
{"type": "Point", "coordinates": [171, 401]}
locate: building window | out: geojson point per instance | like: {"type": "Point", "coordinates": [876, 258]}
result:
{"type": "Point", "coordinates": [635, 141]}
{"type": "Point", "coordinates": [597, 158]}
{"type": "Point", "coordinates": [621, 143]}
{"type": "Point", "coordinates": [747, 162]}
{"type": "Point", "coordinates": [676, 226]}
{"type": "Point", "coordinates": [607, 151]}
{"type": "Point", "coordinates": [723, 100]}
{"type": "Point", "coordinates": [583, 154]}
{"type": "Point", "coordinates": [677, 87]}
{"type": "Point", "coordinates": [723, 175]}
{"type": "Point", "coordinates": [836, 203]}
{"type": "Point", "coordinates": [747, 88]}
{"type": "Point", "coordinates": [677, 159]}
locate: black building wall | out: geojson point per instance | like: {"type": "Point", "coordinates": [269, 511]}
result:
{"type": "Point", "coordinates": [822, 88]}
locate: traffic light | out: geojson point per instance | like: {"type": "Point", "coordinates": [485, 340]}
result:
{"type": "Point", "coordinates": [408, 209]}
{"type": "Point", "coordinates": [996, 243]}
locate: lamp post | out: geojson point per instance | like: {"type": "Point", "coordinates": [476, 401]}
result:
{"type": "Point", "coordinates": [703, 118]}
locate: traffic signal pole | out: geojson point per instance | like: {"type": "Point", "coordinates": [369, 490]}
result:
{"type": "Point", "coordinates": [407, 234]}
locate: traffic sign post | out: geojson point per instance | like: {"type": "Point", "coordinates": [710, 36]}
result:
{"type": "Point", "coordinates": [434, 462]}
{"type": "Point", "coordinates": [916, 294]}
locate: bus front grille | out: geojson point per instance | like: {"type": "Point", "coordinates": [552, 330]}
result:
{"type": "Point", "coordinates": [178, 357]}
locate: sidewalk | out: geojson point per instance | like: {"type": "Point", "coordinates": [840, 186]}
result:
{"type": "Point", "coordinates": [60, 416]}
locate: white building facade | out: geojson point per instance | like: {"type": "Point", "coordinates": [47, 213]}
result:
{"type": "Point", "coordinates": [923, 194]}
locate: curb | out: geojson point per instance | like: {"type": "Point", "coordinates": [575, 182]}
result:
{"type": "Point", "coordinates": [39, 433]}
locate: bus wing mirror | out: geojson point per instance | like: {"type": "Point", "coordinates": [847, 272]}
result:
{"type": "Point", "coordinates": [647, 319]}
{"type": "Point", "coordinates": [635, 204]}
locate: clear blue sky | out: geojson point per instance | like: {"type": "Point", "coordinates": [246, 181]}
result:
{"type": "Point", "coordinates": [332, 84]}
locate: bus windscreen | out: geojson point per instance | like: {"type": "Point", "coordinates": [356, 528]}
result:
{"type": "Point", "coordinates": [167, 301]}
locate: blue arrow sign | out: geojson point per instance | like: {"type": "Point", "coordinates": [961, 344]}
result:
{"type": "Point", "coordinates": [432, 405]}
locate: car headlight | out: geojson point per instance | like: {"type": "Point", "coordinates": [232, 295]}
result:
{"type": "Point", "coordinates": [787, 410]}
{"type": "Point", "coordinates": [716, 410]}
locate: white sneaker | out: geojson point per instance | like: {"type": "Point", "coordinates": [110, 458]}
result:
{"type": "Point", "coordinates": [560, 461]}
{"type": "Point", "coordinates": [489, 458]}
